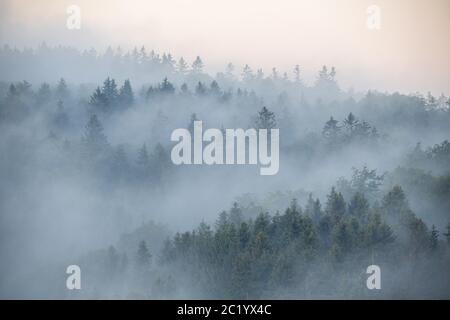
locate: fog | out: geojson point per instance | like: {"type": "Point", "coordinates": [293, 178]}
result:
{"type": "Point", "coordinates": [412, 40]}
{"type": "Point", "coordinates": [87, 177]}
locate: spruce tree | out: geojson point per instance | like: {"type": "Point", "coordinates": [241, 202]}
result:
{"type": "Point", "coordinates": [93, 137]}
{"type": "Point", "coordinates": [447, 235]}
{"type": "Point", "coordinates": [99, 101]}
{"type": "Point", "coordinates": [182, 66]}
{"type": "Point", "coordinates": [197, 66]}
{"type": "Point", "coordinates": [44, 94]}
{"type": "Point", "coordinates": [143, 159]}
{"type": "Point", "coordinates": [126, 95]}
{"type": "Point", "coordinates": [200, 89]}
{"type": "Point", "coordinates": [335, 205]}
{"type": "Point", "coordinates": [110, 92]}
{"type": "Point", "coordinates": [434, 238]}
{"type": "Point", "coordinates": [359, 207]}
{"type": "Point", "coordinates": [265, 119]}
{"type": "Point", "coordinates": [166, 87]}
{"type": "Point", "coordinates": [394, 203]}
{"type": "Point", "coordinates": [331, 129]}
{"type": "Point", "coordinates": [350, 123]}
{"type": "Point", "coordinates": [62, 92]}
{"type": "Point", "coordinates": [143, 255]}
{"type": "Point", "coordinates": [236, 214]}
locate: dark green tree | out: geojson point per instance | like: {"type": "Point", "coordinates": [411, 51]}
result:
{"type": "Point", "coordinates": [44, 94]}
{"type": "Point", "coordinates": [184, 88]}
{"type": "Point", "coordinates": [62, 92]}
{"type": "Point", "coordinates": [99, 101]}
{"type": "Point", "coordinates": [214, 88]}
{"type": "Point", "coordinates": [235, 215]}
{"type": "Point", "coordinates": [366, 181]}
{"type": "Point", "coordinates": [200, 89]}
{"type": "Point", "coordinates": [94, 138]}
{"type": "Point", "coordinates": [265, 119]}
{"type": "Point", "coordinates": [335, 205]}
{"type": "Point", "coordinates": [313, 209]}
{"type": "Point", "coordinates": [447, 235]}
{"type": "Point", "coordinates": [126, 95]}
{"type": "Point", "coordinates": [434, 238]}
{"type": "Point", "coordinates": [394, 203]}
{"type": "Point", "coordinates": [331, 130]}
{"type": "Point", "coordinates": [377, 233]}
{"type": "Point", "coordinates": [350, 122]}
{"type": "Point", "coordinates": [359, 207]}
{"type": "Point", "coordinates": [166, 87]}
{"type": "Point", "coordinates": [342, 240]}
{"type": "Point", "coordinates": [143, 255]}
{"type": "Point", "coordinates": [110, 91]}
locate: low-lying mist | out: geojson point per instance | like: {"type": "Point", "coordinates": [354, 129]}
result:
{"type": "Point", "coordinates": [87, 179]}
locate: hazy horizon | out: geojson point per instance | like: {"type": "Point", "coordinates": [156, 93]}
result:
{"type": "Point", "coordinates": [408, 54]}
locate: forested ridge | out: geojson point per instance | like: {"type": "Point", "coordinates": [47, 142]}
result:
{"type": "Point", "coordinates": [317, 250]}
{"type": "Point", "coordinates": [87, 179]}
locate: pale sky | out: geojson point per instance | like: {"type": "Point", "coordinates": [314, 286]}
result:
{"type": "Point", "coordinates": [411, 51]}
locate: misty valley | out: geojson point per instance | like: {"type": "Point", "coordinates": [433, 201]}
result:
{"type": "Point", "coordinates": [92, 156]}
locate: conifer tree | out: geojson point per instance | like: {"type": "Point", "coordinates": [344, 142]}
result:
{"type": "Point", "coordinates": [335, 205]}
{"type": "Point", "coordinates": [62, 92]}
{"type": "Point", "coordinates": [331, 129]}
{"type": "Point", "coordinates": [359, 207]}
{"type": "Point", "coordinates": [93, 137]}
{"type": "Point", "coordinates": [143, 159]}
{"type": "Point", "coordinates": [434, 238]}
{"type": "Point", "coordinates": [265, 119]}
{"type": "Point", "coordinates": [197, 66]}
{"type": "Point", "coordinates": [182, 66]}
{"type": "Point", "coordinates": [447, 235]}
{"type": "Point", "coordinates": [143, 255]}
{"type": "Point", "coordinates": [126, 95]}
{"type": "Point", "coordinates": [99, 101]}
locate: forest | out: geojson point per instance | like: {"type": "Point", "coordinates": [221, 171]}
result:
{"type": "Point", "coordinates": [87, 179]}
